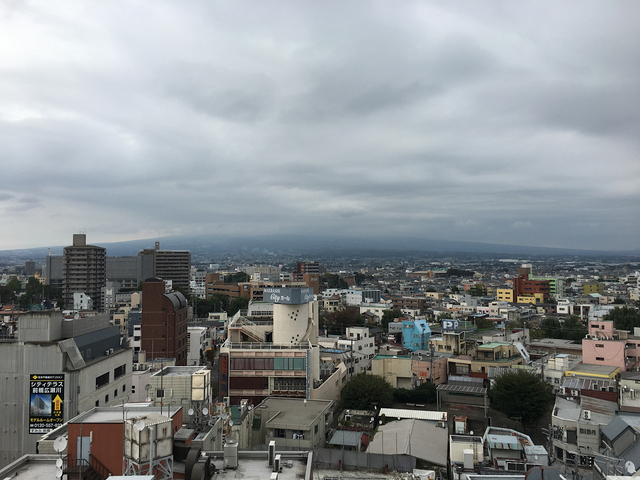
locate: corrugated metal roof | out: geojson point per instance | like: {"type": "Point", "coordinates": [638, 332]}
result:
{"type": "Point", "coordinates": [417, 414]}
{"type": "Point", "coordinates": [588, 383]}
{"type": "Point", "coordinates": [346, 438]}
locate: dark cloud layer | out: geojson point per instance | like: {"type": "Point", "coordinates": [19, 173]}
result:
{"type": "Point", "coordinates": [504, 122]}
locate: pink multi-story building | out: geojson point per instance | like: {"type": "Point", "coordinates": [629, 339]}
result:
{"type": "Point", "coordinates": [604, 345]}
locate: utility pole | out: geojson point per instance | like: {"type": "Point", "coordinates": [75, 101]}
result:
{"type": "Point", "coordinates": [431, 363]}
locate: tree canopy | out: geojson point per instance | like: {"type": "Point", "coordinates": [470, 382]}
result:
{"type": "Point", "coordinates": [333, 280]}
{"type": "Point", "coordinates": [14, 284]}
{"type": "Point", "coordinates": [215, 303]}
{"type": "Point", "coordinates": [521, 393]}
{"type": "Point", "coordinates": [335, 322]}
{"type": "Point", "coordinates": [364, 391]}
{"type": "Point", "coordinates": [240, 303]}
{"type": "Point", "coordinates": [624, 318]}
{"type": "Point", "coordinates": [390, 316]}
{"type": "Point", "coordinates": [237, 277]}
{"type": "Point", "coordinates": [424, 393]}
{"type": "Point", "coordinates": [455, 272]}
{"type": "Point", "coordinates": [570, 328]}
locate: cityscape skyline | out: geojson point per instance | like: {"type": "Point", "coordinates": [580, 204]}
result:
{"type": "Point", "coordinates": [497, 122]}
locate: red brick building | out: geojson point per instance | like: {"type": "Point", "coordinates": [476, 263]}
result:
{"type": "Point", "coordinates": [164, 322]}
{"type": "Point", "coordinates": [523, 286]}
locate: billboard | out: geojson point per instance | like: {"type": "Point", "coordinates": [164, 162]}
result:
{"type": "Point", "coordinates": [289, 296]}
{"type": "Point", "coordinates": [46, 397]}
{"type": "Point", "coordinates": [450, 324]}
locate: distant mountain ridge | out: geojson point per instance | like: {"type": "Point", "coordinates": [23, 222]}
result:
{"type": "Point", "coordinates": [318, 245]}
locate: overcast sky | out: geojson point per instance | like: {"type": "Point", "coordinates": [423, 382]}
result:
{"type": "Point", "coordinates": [503, 122]}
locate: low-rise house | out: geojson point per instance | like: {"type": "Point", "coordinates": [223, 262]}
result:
{"type": "Point", "coordinates": [622, 449]}
{"type": "Point", "coordinates": [292, 423]}
{"type": "Point", "coordinates": [577, 426]}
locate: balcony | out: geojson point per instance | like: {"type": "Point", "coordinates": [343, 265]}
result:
{"type": "Point", "coordinates": [266, 346]}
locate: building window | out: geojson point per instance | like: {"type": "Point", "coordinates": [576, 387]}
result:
{"type": "Point", "coordinates": [120, 371]}
{"type": "Point", "coordinates": [102, 380]}
{"type": "Point", "coordinates": [106, 398]}
{"type": "Point", "coordinates": [600, 359]}
{"type": "Point", "coordinates": [599, 345]}
{"type": "Point", "coordinates": [281, 433]}
{"type": "Point", "coordinates": [97, 403]}
{"type": "Point", "coordinates": [315, 430]}
{"type": "Point", "coordinates": [160, 393]}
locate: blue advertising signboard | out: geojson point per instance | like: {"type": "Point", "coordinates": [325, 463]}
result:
{"type": "Point", "coordinates": [450, 324]}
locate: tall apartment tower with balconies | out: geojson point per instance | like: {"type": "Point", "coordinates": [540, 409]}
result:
{"type": "Point", "coordinates": [83, 271]}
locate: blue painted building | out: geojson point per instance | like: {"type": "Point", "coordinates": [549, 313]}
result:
{"type": "Point", "coordinates": [415, 334]}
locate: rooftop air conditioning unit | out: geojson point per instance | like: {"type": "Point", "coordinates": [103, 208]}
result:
{"type": "Point", "coordinates": [586, 415]}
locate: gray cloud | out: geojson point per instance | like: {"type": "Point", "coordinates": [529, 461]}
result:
{"type": "Point", "coordinates": [501, 122]}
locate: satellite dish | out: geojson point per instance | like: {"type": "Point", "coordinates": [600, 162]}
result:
{"type": "Point", "coordinates": [58, 473]}
{"type": "Point", "coordinates": [140, 425]}
{"type": "Point", "coordinates": [250, 407]}
{"type": "Point", "coordinates": [205, 411]}
{"type": "Point", "coordinates": [60, 444]}
{"type": "Point", "coordinates": [231, 423]}
{"type": "Point", "coordinates": [58, 463]}
{"type": "Point", "coordinates": [224, 416]}
{"type": "Point", "coordinates": [630, 467]}
{"type": "Point", "coordinates": [470, 432]}
{"type": "Point", "coordinates": [190, 411]}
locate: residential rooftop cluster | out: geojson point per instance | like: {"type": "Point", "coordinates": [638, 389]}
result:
{"type": "Point", "coordinates": [156, 364]}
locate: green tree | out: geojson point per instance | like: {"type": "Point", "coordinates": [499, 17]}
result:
{"type": "Point", "coordinates": [240, 303]}
{"type": "Point", "coordinates": [363, 392]}
{"type": "Point", "coordinates": [359, 277]}
{"type": "Point", "coordinates": [551, 327]}
{"type": "Point", "coordinates": [422, 394]}
{"type": "Point", "coordinates": [478, 290]}
{"type": "Point", "coordinates": [455, 272]}
{"type": "Point", "coordinates": [335, 322]}
{"type": "Point", "coordinates": [484, 324]}
{"type": "Point", "coordinates": [15, 285]}
{"type": "Point", "coordinates": [521, 393]}
{"type": "Point", "coordinates": [7, 295]}
{"type": "Point", "coordinates": [572, 329]}
{"type": "Point", "coordinates": [624, 318]}
{"type": "Point", "coordinates": [390, 316]}
{"type": "Point", "coordinates": [333, 280]}
{"type": "Point", "coordinates": [444, 316]}
{"type": "Point", "coordinates": [237, 277]}
{"type": "Point", "coordinates": [619, 301]}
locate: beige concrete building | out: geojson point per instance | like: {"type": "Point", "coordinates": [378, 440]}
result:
{"type": "Point", "coordinates": [395, 369]}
